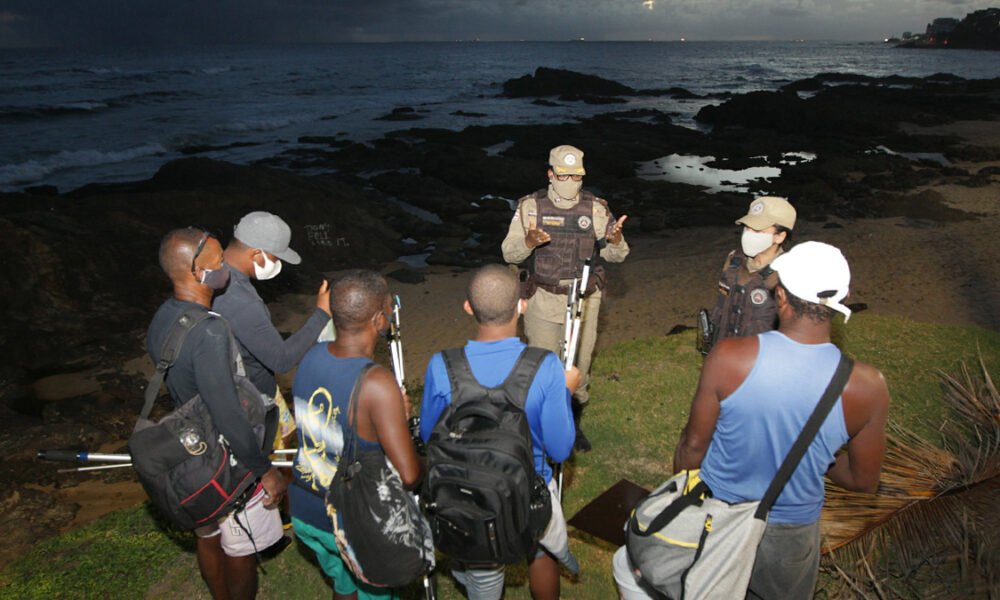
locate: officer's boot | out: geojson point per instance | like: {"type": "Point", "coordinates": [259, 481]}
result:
{"type": "Point", "coordinates": [582, 443]}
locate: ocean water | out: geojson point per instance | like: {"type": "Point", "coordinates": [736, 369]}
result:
{"type": "Point", "coordinates": [69, 118]}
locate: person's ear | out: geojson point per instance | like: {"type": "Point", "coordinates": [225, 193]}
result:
{"type": "Point", "coordinates": [780, 296]}
{"type": "Point", "coordinates": [377, 319]}
{"type": "Point", "coordinates": [467, 308]}
{"type": "Point", "coordinates": [779, 238]}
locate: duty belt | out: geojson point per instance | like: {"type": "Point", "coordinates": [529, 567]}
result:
{"type": "Point", "coordinates": [554, 289]}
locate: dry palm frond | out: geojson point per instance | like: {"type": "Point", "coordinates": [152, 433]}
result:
{"type": "Point", "coordinates": [933, 502]}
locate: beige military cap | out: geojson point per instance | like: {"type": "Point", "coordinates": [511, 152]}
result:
{"type": "Point", "coordinates": [567, 160]}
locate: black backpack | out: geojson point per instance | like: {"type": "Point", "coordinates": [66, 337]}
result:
{"type": "Point", "coordinates": [183, 463]}
{"type": "Point", "coordinates": [485, 501]}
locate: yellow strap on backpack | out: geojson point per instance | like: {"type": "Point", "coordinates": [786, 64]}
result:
{"type": "Point", "coordinates": [693, 479]}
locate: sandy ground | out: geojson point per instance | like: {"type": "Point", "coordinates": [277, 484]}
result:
{"type": "Point", "coordinates": [925, 271]}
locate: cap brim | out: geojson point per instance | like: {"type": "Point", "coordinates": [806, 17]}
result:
{"type": "Point", "coordinates": [289, 256]}
{"type": "Point", "coordinates": [568, 171]}
{"type": "Point", "coordinates": [757, 222]}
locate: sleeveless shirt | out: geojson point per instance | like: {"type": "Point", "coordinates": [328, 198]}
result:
{"type": "Point", "coordinates": [760, 420]}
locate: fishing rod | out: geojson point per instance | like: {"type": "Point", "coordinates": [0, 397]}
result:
{"type": "Point", "coordinates": [398, 369]}
{"type": "Point", "coordinates": [396, 343]}
{"type": "Point", "coordinates": [571, 335]}
{"type": "Point", "coordinates": [121, 460]}
{"type": "Point", "coordinates": [574, 303]}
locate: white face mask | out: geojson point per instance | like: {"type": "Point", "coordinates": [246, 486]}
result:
{"type": "Point", "coordinates": [566, 189]}
{"type": "Point", "coordinates": [270, 269]}
{"type": "Point", "coordinates": [755, 242]}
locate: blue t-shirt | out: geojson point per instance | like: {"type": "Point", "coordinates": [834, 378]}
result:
{"type": "Point", "coordinates": [759, 422]}
{"type": "Point", "coordinates": [322, 392]}
{"type": "Point", "coordinates": [547, 405]}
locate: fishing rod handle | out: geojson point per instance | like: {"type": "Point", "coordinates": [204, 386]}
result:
{"type": "Point", "coordinates": [82, 456]}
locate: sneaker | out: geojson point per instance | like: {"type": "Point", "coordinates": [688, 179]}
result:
{"type": "Point", "coordinates": [582, 444]}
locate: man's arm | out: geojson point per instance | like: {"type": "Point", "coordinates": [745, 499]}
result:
{"type": "Point", "coordinates": [437, 396]}
{"type": "Point", "coordinates": [725, 368]}
{"type": "Point", "coordinates": [866, 409]}
{"type": "Point", "coordinates": [558, 430]}
{"type": "Point", "coordinates": [382, 417]}
{"type": "Point", "coordinates": [697, 433]}
{"type": "Point", "coordinates": [213, 374]}
{"type": "Point", "coordinates": [253, 328]}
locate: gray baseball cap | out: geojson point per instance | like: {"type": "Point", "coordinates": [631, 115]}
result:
{"type": "Point", "coordinates": [268, 232]}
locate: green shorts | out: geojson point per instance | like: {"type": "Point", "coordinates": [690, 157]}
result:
{"type": "Point", "coordinates": [328, 555]}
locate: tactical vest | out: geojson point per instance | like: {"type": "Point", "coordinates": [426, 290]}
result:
{"type": "Point", "coordinates": [573, 241]}
{"type": "Point", "coordinates": [744, 309]}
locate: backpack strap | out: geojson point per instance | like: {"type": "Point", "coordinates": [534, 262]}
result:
{"type": "Point", "coordinates": [516, 385]}
{"type": "Point", "coordinates": [168, 353]}
{"type": "Point", "coordinates": [809, 431]}
{"type": "Point", "coordinates": [519, 380]}
{"type": "Point", "coordinates": [694, 497]}
{"type": "Point", "coordinates": [352, 410]}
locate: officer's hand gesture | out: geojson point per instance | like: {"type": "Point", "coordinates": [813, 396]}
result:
{"type": "Point", "coordinates": [536, 237]}
{"type": "Point", "coordinates": [615, 230]}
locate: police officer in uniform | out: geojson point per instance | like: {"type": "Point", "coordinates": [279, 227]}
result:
{"type": "Point", "coordinates": [553, 232]}
{"type": "Point", "coordinates": [745, 305]}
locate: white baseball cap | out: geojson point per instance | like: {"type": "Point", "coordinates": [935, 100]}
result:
{"type": "Point", "coordinates": [817, 273]}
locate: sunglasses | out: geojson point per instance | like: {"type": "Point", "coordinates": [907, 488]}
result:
{"type": "Point", "coordinates": [568, 177]}
{"type": "Point", "coordinates": [201, 244]}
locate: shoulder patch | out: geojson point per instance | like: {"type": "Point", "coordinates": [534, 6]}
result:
{"type": "Point", "coordinates": [758, 296]}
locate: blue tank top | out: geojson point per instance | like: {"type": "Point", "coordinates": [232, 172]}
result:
{"type": "Point", "coordinates": [759, 422]}
{"type": "Point", "coordinates": [322, 392]}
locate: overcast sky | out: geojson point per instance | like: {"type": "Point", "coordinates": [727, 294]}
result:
{"type": "Point", "coordinates": [132, 22]}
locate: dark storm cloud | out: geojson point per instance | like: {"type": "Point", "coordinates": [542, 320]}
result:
{"type": "Point", "coordinates": [787, 11]}
{"type": "Point", "coordinates": [130, 22]}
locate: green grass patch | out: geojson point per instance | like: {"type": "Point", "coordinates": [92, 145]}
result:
{"type": "Point", "coordinates": [118, 556]}
{"type": "Point", "coordinates": [641, 394]}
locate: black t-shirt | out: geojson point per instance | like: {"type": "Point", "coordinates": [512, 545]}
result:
{"type": "Point", "coordinates": [204, 366]}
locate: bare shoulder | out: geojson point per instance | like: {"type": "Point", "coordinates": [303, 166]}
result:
{"type": "Point", "coordinates": [866, 381]}
{"type": "Point", "coordinates": [865, 398]}
{"type": "Point", "coordinates": [378, 383]}
{"type": "Point", "coordinates": [729, 363]}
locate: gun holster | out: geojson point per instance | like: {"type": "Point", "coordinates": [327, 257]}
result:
{"type": "Point", "coordinates": [528, 284]}
{"type": "Point", "coordinates": [706, 332]}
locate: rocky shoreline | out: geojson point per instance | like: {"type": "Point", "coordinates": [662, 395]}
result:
{"type": "Point", "coordinates": [81, 280]}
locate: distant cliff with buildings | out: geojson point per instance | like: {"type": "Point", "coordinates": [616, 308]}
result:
{"type": "Point", "coordinates": [979, 30]}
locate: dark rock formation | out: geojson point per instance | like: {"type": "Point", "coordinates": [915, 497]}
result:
{"type": "Point", "coordinates": [403, 113]}
{"type": "Point", "coordinates": [571, 86]}
{"type": "Point", "coordinates": [555, 82]}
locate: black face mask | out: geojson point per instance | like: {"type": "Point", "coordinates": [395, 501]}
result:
{"type": "Point", "coordinates": [215, 279]}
